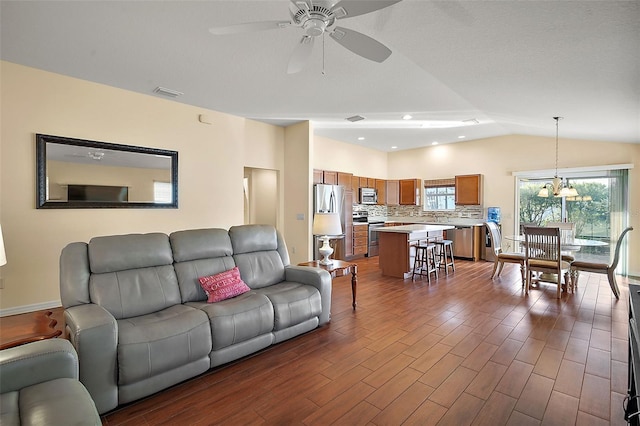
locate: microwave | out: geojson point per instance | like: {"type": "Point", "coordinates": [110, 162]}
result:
{"type": "Point", "coordinates": [368, 196]}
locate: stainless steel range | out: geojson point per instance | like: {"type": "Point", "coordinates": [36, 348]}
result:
{"type": "Point", "coordinates": [374, 249]}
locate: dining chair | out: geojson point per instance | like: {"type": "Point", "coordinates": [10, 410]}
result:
{"type": "Point", "coordinates": [543, 255]}
{"type": "Point", "coordinates": [567, 233]}
{"type": "Point", "coordinates": [601, 268]}
{"type": "Point", "coordinates": [502, 257]}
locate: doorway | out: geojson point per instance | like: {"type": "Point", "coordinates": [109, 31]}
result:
{"type": "Point", "coordinates": [261, 196]}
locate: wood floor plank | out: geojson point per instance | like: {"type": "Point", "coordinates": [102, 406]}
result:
{"type": "Point", "coordinates": [535, 396]}
{"type": "Point", "coordinates": [496, 411]}
{"type": "Point", "coordinates": [487, 379]}
{"type": "Point", "coordinates": [561, 410]}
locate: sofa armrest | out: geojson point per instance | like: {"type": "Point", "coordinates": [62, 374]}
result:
{"type": "Point", "coordinates": [37, 362]}
{"type": "Point", "coordinates": [320, 279]}
{"type": "Point", "coordinates": [93, 331]}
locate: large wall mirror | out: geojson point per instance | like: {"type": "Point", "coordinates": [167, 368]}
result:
{"type": "Point", "coordinates": [76, 173]}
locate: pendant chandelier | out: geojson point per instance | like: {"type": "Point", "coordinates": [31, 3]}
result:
{"type": "Point", "coordinates": [557, 187]}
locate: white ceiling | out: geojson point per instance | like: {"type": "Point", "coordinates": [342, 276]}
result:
{"type": "Point", "coordinates": [511, 65]}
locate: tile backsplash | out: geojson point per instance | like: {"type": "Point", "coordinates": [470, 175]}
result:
{"type": "Point", "coordinates": [467, 212]}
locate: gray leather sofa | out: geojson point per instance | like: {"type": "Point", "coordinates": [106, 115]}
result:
{"type": "Point", "coordinates": [140, 321]}
{"type": "Point", "coordinates": [39, 386]}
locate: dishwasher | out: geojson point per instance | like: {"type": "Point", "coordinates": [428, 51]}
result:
{"type": "Point", "coordinates": [462, 237]}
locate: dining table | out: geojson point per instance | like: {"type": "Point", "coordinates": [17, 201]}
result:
{"type": "Point", "coordinates": [567, 245]}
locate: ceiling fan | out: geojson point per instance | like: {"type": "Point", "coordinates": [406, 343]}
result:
{"type": "Point", "coordinates": [319, 17]}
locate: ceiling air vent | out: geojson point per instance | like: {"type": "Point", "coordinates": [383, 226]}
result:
{"type": "Point", "coordinates": [355, 118]}
{"type": "Point", "coordinates": [167, 92]}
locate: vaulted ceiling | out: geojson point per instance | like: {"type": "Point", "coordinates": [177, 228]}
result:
{"type": "Point", "coordinates": [460, 68]}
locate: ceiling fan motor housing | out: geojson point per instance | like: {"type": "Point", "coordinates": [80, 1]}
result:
{"type": "Point", "coordinates": [315, 21]}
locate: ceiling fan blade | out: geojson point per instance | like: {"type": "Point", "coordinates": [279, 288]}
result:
{"type": "Point", "coordinates": [361, 44]}
{"type": "Point", "coordinates": [353, 8]}
{"type": "Point", "coordinates": [300, 55]}
{"type": "Point", "coordinates": [249, 27]}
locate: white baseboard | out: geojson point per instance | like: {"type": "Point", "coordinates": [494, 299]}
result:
{"type": "Point", "coordinates": [30, 308]}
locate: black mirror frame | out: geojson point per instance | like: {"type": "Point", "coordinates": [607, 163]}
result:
{"type": "Point", "coordinates": [41, 171]}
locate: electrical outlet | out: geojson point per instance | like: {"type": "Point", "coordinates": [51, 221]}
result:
{"type": "Point", "coordinates": [293, 249]}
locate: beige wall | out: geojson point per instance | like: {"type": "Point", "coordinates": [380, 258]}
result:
{"type": "Point", "coordinates": [329, 154]}
{"type": "Point", "coordinates": [211, 163]}
{"type": "Point", "coordinates": [297, 191]}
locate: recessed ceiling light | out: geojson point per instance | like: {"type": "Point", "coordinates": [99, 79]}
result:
{"type": "Point", "coordinates": [361, 138]}
{"type": "Point", "coordinates": [461, 137]}
{"type": "Point", "coordinates": [355, 118]}
{"type": "Point", "coordinates": [434, 143]}
{"type": "Point", "coordinates": [407, 117]}
{"type": "Point", "coordinates": [394, 147]}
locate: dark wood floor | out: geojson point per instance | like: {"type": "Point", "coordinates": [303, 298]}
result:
{"type": "Point", "coordinates": [465, 350]}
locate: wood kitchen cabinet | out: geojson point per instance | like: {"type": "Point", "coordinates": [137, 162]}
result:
{"type": "Point", "coordinates": [410, 192]}
{"type": "Point", "coordinates": [371, 183]}
{"type": "Point", "coordinates": [330, 178]}
{"type": "Point", "coordinates": [344, 179]}
{"type": "Point", "coordinates": [381, 189]}
{"type": "Point", "coordinates": [468, 190]}
{"type": "Point", "coordinates": [318, 176]}
{"type": "Point", "coordinates": [364, 182]}
{"type": "Point", "coordinates": [348, 223]}
{"type": "Point", "coordinates": [355, 186]}
{"type": "Point", "coordinates": [393, 192]}
{"type": "Point", "coordinates": [360, 239]}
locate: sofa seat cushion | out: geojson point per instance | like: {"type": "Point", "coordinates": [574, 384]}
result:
{"type": "Point", "coordinates": [56, 402]}
{"type": "Point", "coordinates": [238, 319]}
{"type": "Point", "coordinates": [152, 344]}
{"type": "Point", "coordinates": [293, 303]}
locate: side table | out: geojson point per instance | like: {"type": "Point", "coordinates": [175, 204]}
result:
{"type": "Point", "coordinates": [15, 332]}
{"type": "Point", "coordinates": [339, 268]}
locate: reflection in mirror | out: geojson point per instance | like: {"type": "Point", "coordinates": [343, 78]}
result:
{"type": "Point", "coordinates": [75, 173]}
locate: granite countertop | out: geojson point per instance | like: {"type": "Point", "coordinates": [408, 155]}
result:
{"type": "Point", "coordinates": [412, 220]}
{"type": "Point", "coordinates": [408, 229]}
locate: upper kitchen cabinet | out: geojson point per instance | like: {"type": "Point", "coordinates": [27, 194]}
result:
{"type": "Point", "coordinates": [393, 192]}
{"type": "Point", "coordinates": [381, 189]}
{"type": "Point", "coordinates": [318, 176]}
{"type": "Point", "coordinates": [410, 192]}
{"type": "Point", "coordinates": [355, 184]}
{"type": "Point", "coordinates": [469, 190]}
{"type": "Point", "coordinates": [330, 178]}
{"type": "Point", "coordinates": [344, 179]}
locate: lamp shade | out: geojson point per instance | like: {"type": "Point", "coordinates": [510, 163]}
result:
{"type": "Point", "coordinates": [327, 224]}
{"type": "Point", "coordinates": [3, 255]}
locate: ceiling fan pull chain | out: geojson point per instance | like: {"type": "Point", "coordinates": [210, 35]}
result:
{"type": "Point", "coordinates": [323, 73]}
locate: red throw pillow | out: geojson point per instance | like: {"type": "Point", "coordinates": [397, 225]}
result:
{"type": "Point", "coordinates": [224, 285]}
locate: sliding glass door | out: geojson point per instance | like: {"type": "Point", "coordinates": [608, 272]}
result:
{"type": "Point", "coordinates": [599, 211]}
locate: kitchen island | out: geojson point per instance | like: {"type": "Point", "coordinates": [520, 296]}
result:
{"type": "Point", "coordinates": [395, 246]}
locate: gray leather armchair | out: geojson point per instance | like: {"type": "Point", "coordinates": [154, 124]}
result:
{"type": "Point", "coordinates": [39, 386]}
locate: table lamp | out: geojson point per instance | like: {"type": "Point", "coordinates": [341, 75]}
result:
{"type": "Point", "coordinates": [326, 224]}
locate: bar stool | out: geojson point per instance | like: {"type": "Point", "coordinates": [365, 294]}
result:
{"type": "Point", "coordinates": [425, 261]}
{"type": "Point", "coordinates": [445, 255]}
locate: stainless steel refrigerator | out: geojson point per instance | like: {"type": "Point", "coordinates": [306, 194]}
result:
{"type": "Point", "coordinates": [330, 199]}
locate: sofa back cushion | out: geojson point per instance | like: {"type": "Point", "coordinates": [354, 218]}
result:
{"type": "Point", "coordinates": [199, 253]}
{"type": "Point", "coordinates": [257, 250]}
{"type": "Point", "coordinates": [132, 275]}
